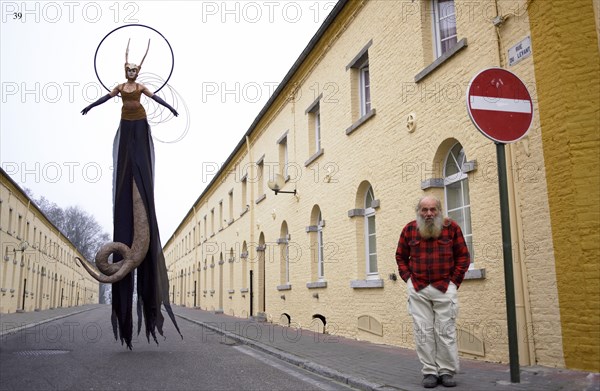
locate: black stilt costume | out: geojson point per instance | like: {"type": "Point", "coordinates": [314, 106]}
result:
{"type": "Point", "coordinates": [136, 248]}
{"type": "Point", "coordinates": [133, 155]}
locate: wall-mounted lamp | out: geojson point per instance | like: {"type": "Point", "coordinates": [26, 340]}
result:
{"type": "Point", "coordinates": [277, 184]}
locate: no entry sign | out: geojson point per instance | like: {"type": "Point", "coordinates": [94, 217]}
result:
{"type": "Point", "coordinates": [499, 105]}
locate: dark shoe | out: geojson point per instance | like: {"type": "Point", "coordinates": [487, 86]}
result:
{"type": "Point", "coordinates": [430, 381]}
{"type": "Point", "coordinates": [447, 381]}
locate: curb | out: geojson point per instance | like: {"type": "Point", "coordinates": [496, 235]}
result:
{"type": "Point", "coordinates": [20, 328]}
{"type": "Point", "coordinates": [350, 380]}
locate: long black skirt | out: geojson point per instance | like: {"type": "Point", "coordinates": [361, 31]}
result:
{"type": "Point", "coordinates": [133, 155]}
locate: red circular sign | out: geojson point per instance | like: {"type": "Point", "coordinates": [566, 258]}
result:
{"type": "Point", "coordinates": [499, 105]}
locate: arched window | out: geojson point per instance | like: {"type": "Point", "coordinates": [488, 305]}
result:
{"type": "Point", "coordinates": [317, 245]}
{"type": "Point", "coordinates": [205, 276]}
{"type": "Point", "coordinates": [285, 254]}
{"type": "Point", "coordinates": [370, 235]}
{"type": "Point", "coordinates": [212, 275]}
{"type": "Point", "coordinates": [231, 261]}
{"type": "Point", "coordinates": [244, 258]}
{"type": "Point", "coordinates": [320, 254]}
{"type": "Point", "coordinates": [456, 191]}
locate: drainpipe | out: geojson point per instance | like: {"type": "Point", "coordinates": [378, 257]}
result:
{"type": "Point", "coordinates": [197, 270]}
{"type": "Point", "coordinates": [251, 206]}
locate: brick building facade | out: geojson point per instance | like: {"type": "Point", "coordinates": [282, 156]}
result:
{"type": "Point", "coordinates": [371, 117]}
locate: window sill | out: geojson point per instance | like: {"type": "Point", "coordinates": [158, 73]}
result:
{"type": "Point", "coordinates": [314, 157]}
{"type": "Point", "coordinates": [316, 284]}
{"type": "Point", "coordinates": [360, 121]}
{"type": "Point", "coordinates": [475, 274]}
{"type": "Point", "coordinates": [441, 59]}
{"type": "Point", "coordinates": [262, 197]}
{"type": "Point", "coordinates": [366, 284]}
{"type": "Point", "coordinates": [284, 287]}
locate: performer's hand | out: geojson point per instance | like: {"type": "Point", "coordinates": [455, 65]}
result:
{"type": "Point", "coordinates": [96, 103]}
{"type": "Point", "coordinates": [162, 102]}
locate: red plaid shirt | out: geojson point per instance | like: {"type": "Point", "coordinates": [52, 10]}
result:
{"type": "Point", "coordinates": [433, 261]}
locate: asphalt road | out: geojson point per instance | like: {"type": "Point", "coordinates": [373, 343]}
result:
{"type": "Point", "coordinates": [79, 352]}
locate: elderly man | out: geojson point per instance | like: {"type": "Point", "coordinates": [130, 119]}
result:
{"type": "Point", "coordinates": [432, 258]}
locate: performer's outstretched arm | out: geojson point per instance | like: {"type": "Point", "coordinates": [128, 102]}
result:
{"type": "Point", "coordinates": [162, 102]}
{"type": "Point", "coordinates": [106, 97]}
{"type": "Point", "coordinates": [158, 99]}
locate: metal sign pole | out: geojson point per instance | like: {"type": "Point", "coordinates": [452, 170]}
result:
{"type": "Point", "coordinates": [511, 315]}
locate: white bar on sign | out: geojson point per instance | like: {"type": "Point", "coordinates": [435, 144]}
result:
{"type": "Point", "coordinates": [500, 104]}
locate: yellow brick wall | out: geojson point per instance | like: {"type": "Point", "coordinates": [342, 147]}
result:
{"type": "Point", "coordinates": [394, 161]}
{"type": "Point", "coordinates": [41, 273]}
{"type": "Point", "coordinates": [565, 43]}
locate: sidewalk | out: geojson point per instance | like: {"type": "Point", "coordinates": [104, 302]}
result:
{"type": "Point", "coordinates": [369, 366]}
{"type": "Point", "coordinates": [14, 322]}
{"type": "Point", "coordinates": [362, 365]}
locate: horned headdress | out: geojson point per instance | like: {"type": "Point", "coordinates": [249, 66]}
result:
{"type": "Point", "coordinates": [131, 65]}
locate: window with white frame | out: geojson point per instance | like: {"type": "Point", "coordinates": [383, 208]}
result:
{"type": "Point", "coordinates": [456, 191]}
{"type": "Point", "coordinates": [19, 227]}
{"type": "Point", "coordinates": [314, 126]}
{"type": "Point", "coordinates": [220, 214]}
{"type": "Point", "coordinates": [230, 206]}
{"type": "Point", "coordinates": [10, 221]}
{"type": "Point", "coordinates": [244, 193]}
{"type": "Point", "coordinates": [231, 271]}
{"type": "Point", "coordinates": [283, 156]}
{"type": "Point", "coordinates": [370, 236]}
{"type": "Point", "coordinates": [317, 249]}
{"type": "Point", "coordinates": [205, 275]}
{"type": "Point", "coordinates": [260, 176]}
{"type": "Point", "coordinates": [316, 120]}
{"type": "Point", "coordinates": [285, 254]}
{"type": "Point", "coordinates": [320, 247]}
{"type": "Point", "coordinates": [364, 87]}
{"type": "Point", "coordinates": [444, 26]}
{"type": "Point", "coordinates": [212, 275]}
{"type": "Point", "coordinates": [360, 85]}
{"type": "Point", "coordinates": [244, 258]}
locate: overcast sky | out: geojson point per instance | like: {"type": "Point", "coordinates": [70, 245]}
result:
{"type": "Point", "coordinates": [229, 56]}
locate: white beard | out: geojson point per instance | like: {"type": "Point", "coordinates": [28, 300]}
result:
{"type": "Point", "coordinates": [432, 229]}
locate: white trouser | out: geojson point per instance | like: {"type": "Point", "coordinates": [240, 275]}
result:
{"type": "Point", "coordinates": [434, 316]}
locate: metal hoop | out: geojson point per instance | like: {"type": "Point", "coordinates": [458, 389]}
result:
{"type": "Point", "coordinates": [134, 25]}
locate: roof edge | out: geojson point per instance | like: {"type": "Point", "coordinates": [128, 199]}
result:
{"type": "Point", "coordinates": [307, 50]}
